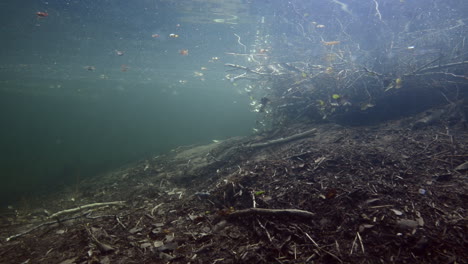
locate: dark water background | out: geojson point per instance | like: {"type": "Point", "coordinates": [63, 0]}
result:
{"type": "Point", "coordinates": [61, 123]}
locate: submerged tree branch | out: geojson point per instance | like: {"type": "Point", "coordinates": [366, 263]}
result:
{"type": "Point", "coordinates": [282, 140]}
{"type": "Point", "coordinates": [448, 65]}
{"type": "Point", "coordinates": [244, 68]}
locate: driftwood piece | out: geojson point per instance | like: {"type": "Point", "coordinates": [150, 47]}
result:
{"type": "Point", "coordinates": [76, 209]}
{"type": "Point", "coordinates": [282, 140]}
{"type": "Point", "coordinates": [272, 212]}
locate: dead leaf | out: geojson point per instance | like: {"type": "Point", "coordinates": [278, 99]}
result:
{"type": "Point", "coordinates": [158, 243]}
{"type": "Point", "coordinates": [397, 212]}
{"type": "Point", "coordinates": [407, 224]}
{"type": "Point", "coordinates": [364, 227]}
{"type": "Point", "coordinates": [135, 230]}
{"type": "Point", "coordinates": [145, 245]}
{"type": "Point", "coordinates": [60, 232]}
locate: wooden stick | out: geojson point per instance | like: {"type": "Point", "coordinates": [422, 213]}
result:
{"type": "Point", "coordinates": [271, 212]}
{"type": "Point", "coordinates": [72, 210]}
{"type": "Point", "coordinates": [41, 225]}
{"type": "Point", "coordinates": [360, 242]}
{"type": "Point", "coordinates": [244, 68]}
{"type": "Point", "coordinates": [282, 140]}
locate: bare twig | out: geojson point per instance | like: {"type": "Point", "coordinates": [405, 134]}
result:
{"type": "Point", "coordinates": [360, 242]}
{"type": "Point", "coordinates": [244, 68]}
{"type": "Point", "coordinates": [271, 212]}
{"type": "Point", "coordinates": [310, 238]}
{"type": "Point", "coordinates": [282, 140]}
{"type": "Point", "coordinates": [372, 72]}
{"type": "Point", "coordinates": [102, 246]}
{"type": "Point", "coordinates": [240, 43]}
{"type": "Point", "coordinates": [154, 208]}
{"type": "Point", "coordinates": [30, 230]}
{"type": "Point", "coordinates": [73, 210]}
{"type": "Point", "coordinates": [120, 222]}
{"type": "Point", "coordinates": [377, 12]}
{"type": "Point", "coordinates": [41, 225]}
{"type": "Point", "coordinates": [266, 231]}
{"type": "Point", "coordinates": [254, 203]}
{"type": "Point", "coordinates": [448, 65]}
{"type": "Point", "coordinates": [443, 73]}
{"type": "Point", "coordinates": [353, 245]}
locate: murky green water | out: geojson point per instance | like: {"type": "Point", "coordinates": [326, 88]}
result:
{"type": "Point", "coordinates": [71, 107]}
